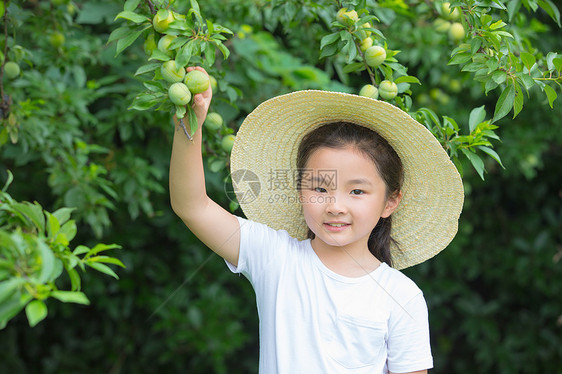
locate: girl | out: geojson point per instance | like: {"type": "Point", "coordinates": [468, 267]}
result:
{"type": "Point", "coordinates": [372, 189]}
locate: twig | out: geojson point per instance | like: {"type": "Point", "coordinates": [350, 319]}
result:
{"type": "Point", "coordinates": [182, 125]}
{"type": "Point", "coordinates": [4, 104]}
{"type": "Point", "coordinates": [151, 6]}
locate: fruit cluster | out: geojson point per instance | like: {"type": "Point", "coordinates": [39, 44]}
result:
{"type": "Point", "coordinates": [182, 85]}
{"type": "Point", "coordinates": [448, 22]}
{"type": "Point", "coordinates": [374, 55]}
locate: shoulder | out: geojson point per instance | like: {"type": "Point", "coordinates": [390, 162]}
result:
{"type": "Point", "coordinates": [256, 230]}
{"type": "Point", "coordinates": [397, 284]}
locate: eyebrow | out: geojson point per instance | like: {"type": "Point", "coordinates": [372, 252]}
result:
{"type": "Point", "coordinates": [359, 181]}
{"type": "Point", "coordinates": [364, 181]}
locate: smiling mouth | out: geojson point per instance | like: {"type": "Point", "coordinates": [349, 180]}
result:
{"type": "Point", "coordinates": [336, 227]}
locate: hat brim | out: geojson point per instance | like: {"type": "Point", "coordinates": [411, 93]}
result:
{"type": "Point", "coordinates": [265, 150]}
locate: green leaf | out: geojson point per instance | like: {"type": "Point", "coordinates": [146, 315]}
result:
{"type": "Point", "coordinates": [36, 311]}
{"type": "Point", "coordinates": [34, 212]}
{"type": "Point", "coordinates": [477, 116]}
{"type": "Point", "coordinates": [63, 214]}
{"type": "Point", "coordinates": [131, 5]}
{"type": "Point", "coordinates": [159, 55]}
{"type": "Point", "coordinates": [71, 297]}
{"type": "Point", "coordinates": [69, 230]}
{"type": "Point", "coordinates": [192, 121]}
{"type": "Point", "coordinates": [127, 41]}
{"type": "Point", "coordinates": [101, 248]}
{"type": "Point", "coordinates": [48, 267]}
{"type": "Point", "coordinates": [492, 154]}
{"type": "Point", "coordinates": [154, 86]}
{"type": "Point", "coordinates": [557, 62]}
{"type": "Point", "coordinates": [497, 25]}
{"type": "Point", "coordinates": [107, 260]}
{"type": "Point", "coordinates": [146, 100]}
{"type": "Point", "coordinates": [460, 58]}
{"type": "Point", "coordinates": [329, 39]}
{"type": "Point", "coordinates": [9, 181]}
{"type": "Point", "coordinates": [475, 45]}
{"type": "Point", "coordinates": [102, 269]}
{"type": "Point", "coordinates": [550, 8]}
{"type": "Point", "coordinates": [224, 49]}
{"type": "Point", "coordinates": [180, 111]}
{"type": "Point", "coordinates": [505, 103]}
{"type": "Point", "coordinates": [147, 68]}
{"type": "Point", "coordinates": [475, 160]}
{"type": "Point", "coordinates": [330, 50]}
{"type": "Point", "coordinates": [550, 60]}
{"type": "Point", "coordinates": [131, 16]}
{"type": "Point", "coordinates": [407, 79]}
{"type": "Point", "coordinates": [356, 66]}
{"type": "Point", "coordinates": [550, 94]}
{"type": "Point", "coordinates": [528, 60]}
{"type": "Point", "coordinates": [518, 102]}
{"type": "Point", "coordinates": [499, 76]}
{"type": "Point", "coordinates": [75, 281]}
{"type": "Point", "coordinates": [8, 287]}
{"type": "Point", "coordinates": [81, 249]}
{"type": "Point", "coordinates": [11, 307]}
{"type": "Point", "coordinates": [119, 33]}
{"type": "Point", "coordinates": [53, 225]}
{"type": "Point", "coordinates": [185, 53]}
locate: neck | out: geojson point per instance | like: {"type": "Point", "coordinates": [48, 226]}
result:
{"type": "Point", "coordinates": [352, 260]}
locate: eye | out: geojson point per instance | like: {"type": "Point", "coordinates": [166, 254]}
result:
{"type": "Point", "coordinates": [319, 189]}
{"type": "Point", "coordinates": [357, 192]}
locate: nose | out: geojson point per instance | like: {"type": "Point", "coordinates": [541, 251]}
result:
{"type": "Point", "coordinates": [334, 205]}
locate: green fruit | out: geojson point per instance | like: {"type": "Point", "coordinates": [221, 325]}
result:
{"type": "Point", "coordinates": [347, 18]}
{"type": "Point", "coordinates": [456, 32]}
{"type": "Point", "coordinates": [375, 55]}
{"type": "Point", "coordinates": [179, 94]}
{"type": "Point", "coordinates": [388, 90]}
{"type": "Point", "coordinates": [56, 39]}
{"type": "Point", "coordinates": [227, 142]}
{"type": "Point", "coordinates": [455, 86]}
{"type": "Point", "coordinates": [162, 20]}
{"type": "Point", "coordinates": [171, 72]}
{"type": "Point", "coordinates": [366, 44]}
{"type": "Point", "coordinates": [441, 25]}
{"type": "Point", "coordinates": [369, 90]}
{"type": "Point", "coordinates": [447, 13]}
{"type": "Point", "coordinates": [197, 81]}
{"type": "Point", "coordinates": [11, 69]}
{"type": "Point", "coordinates": [213, 121]}
{"type": "Point", "coordinates": [164, 44]}
{"type": "Point", "coordinates": [362, 32]}
{"type": "Point", "coordinates": [150, 44]}
{"type": "Point", "coordinates": [213, 83]}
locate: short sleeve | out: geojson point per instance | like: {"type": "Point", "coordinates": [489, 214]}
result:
{"type": "Point", "coordinates": [408, 337]}
{"type": "Point", "coordinates": [260, 245]}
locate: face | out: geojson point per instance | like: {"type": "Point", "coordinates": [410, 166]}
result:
{"type": "Point", "coordinates": [344, 211]}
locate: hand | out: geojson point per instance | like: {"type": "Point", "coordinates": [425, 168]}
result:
{"type": "Point", "coordinates": [202, 101]}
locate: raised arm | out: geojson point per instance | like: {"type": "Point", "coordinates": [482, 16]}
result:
{"type": "Point", "coordinates": [213, 225]}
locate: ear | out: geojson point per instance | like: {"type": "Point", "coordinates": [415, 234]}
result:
{"type": "Point", "coordinates": [391, 203]}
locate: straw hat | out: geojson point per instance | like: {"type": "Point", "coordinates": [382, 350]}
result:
{"type": "Point", "coordinates": [263, 166]}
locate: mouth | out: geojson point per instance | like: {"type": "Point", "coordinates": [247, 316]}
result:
{"type": "Point", "coordinates": [336, 226]}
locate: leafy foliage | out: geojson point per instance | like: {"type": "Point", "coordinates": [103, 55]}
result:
{"type": "Point", "coordinates": [34, 251]}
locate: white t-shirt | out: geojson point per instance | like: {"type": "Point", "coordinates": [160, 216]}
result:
{"type": "Point", "coordinates": [313, 320]}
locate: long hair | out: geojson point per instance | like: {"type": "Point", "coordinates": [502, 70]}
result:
{"type": "Point", "coordinates": [339, 135]}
